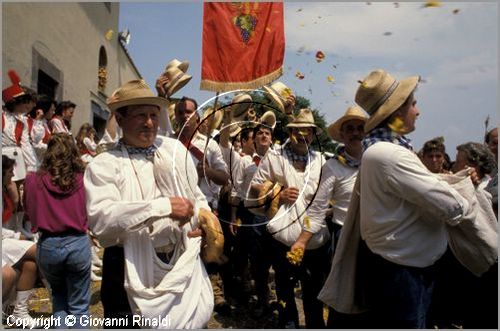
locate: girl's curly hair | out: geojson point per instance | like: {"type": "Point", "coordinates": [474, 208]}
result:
{"type": "Point", "coordinates": [62, 161]}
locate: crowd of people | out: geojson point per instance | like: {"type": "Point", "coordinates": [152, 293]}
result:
{"type": "Point", "coordinates": [200, 212]}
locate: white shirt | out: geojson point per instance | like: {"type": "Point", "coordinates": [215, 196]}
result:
{"type": "Point", "coordinates": [38, 131]}
{"type": "Point", "coordinates": [404, 206]}
{"type": "Point", "coordinates": [337, 182]}
{"type": "Point", "coordinates": [9, 139]}
{"type": "Point", "coordinates": [113, 180]}
{"type": "Point", "coordinates": [277, 167]}
{"type": "Point", "coordinates": [242, 170]}
{"type": "Point", "coordinates": [90, 144]}
{"type": "Point", "coordinates": [215, 161]}
{"type": "Point", "coordinates": [58, 126]}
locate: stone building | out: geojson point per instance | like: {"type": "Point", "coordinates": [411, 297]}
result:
{"type": "Point", "coordinates": [70, 51]}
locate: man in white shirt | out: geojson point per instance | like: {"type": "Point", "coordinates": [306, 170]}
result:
{"type": "Point", "coordinates": [212, 169]}
{"type": "Point", "coordinates": [403, 207]}
{"type": "Point", "coordinates": [125, 196]}
{"type": "Point", "coordinates": [252, 242]}
{"type": "Point", "coordinates": [297, 168]}
{"type": "Point", "coordinates": [212, 173]}
{"type": "Point", "coordinates": [337, 182]}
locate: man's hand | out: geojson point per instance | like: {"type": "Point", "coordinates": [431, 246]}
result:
{"type": "Point", "coordinates": [289, 195]}
{"type": "Point", "coordinates": [289, 104]}
{"type": "Point", "coordinates": [474, 176]}
{"type": "Point", "coordinates": [160, 83]}
{"type": "Point", "coordinates": [182, 210]}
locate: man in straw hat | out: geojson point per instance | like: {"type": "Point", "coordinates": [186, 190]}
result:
{"type": "Point", "coordinates": [297, 168]}
{"type": "Point", "coordinates": [253, 241]}
{"type": "Point", "coordinates": [211, 168]}
{"type": "Point", "coordinates": [404, 208]}
{"type": "Point", "coordinates": [337, 181]}
{"type": "Point", "coordinates": [144, 187]}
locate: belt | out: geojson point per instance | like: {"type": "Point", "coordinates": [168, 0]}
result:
{"type": "Point", "coordinates": [71, 232]}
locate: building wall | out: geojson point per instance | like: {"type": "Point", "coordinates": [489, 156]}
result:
{"type": "Point", "coordinates": [64, 41]}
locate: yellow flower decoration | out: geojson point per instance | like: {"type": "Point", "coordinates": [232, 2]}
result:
{"type": "Point", "coordinates": [307, 222]}
{"type": "Point", "coordinates": [295, 256]}
{"type": "Point", "coordinates": [342, 159]}
{"type": "Point", "coordinates": [397, 125]}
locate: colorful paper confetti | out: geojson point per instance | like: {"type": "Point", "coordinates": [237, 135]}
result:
{"type": "Point", "coordinates": [320, 56]}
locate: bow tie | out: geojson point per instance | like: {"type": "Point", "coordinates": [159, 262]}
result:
{"type": "Point", "coordinates": [256, 159]}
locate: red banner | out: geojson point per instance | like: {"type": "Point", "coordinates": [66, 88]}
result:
{"type": "Point", "coordinates": [243, 45]}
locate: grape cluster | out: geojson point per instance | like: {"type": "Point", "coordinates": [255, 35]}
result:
{"type": "Point", "coordinates": [247, 24]}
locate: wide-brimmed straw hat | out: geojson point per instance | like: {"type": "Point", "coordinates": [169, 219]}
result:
{"type": "Point", "coordinates": [184, 65]}
{"type": "Point", "coordinates": [268, 119]}
{"type": "Point", "coordinates": [177, 79]}
{"type": "Point", "coordinates": [352, 113]}
{"type": "Point", "coordinates": [278, 93]}
{"type": "Point", "coordinates": [304, 119]}
{"type": "Point", "coordinates": [380, 95]}
{"type": "Point", "coordinates": [135, 92]}
{"type": "Point", "coordinates": [240, 104]}
{"type": "Point", "coordinates": [214, 119]}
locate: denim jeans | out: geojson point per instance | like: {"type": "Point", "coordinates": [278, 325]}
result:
{"type": "Point", "coordinates": [399, 295]}
{"type": "Point", "coordinates": [65, 262]}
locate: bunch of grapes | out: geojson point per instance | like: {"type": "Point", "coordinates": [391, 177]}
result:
{"type": "Point", "coordinates": [247, 24]}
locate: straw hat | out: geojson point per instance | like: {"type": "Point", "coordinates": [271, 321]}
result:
{"type": "Point", "coordinates": [268, 119]}
{"type": "Point", "coordinates": [380, 95]}
{"type": "Point", "coordinates": [240, 105]}
{"type": "Point", "coordinates": [305, 119]}
{"type": "Point", "coordinates": [135, 92]}
{"type": "Point", "coordinates": [13, 91]}
{"type": "Point", "coordinates": [176, 80]}
{"type": "Point", "coordinates": [184, 65]}
{"type": "Point", "coordinates": [278, 93]}
{"type": "Point", "coordinates": [215, 120]}
{"type": "Point", "coordinates": [352, 113]}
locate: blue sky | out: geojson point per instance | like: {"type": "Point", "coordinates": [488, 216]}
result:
{"type": "Point", "coordinates": [453, 47]}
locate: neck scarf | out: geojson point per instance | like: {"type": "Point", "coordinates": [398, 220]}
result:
{"type": "Point", "coordinates": [147, 151]}
{"type": "Point", "coordinates": [344, 158]}
{"type": "Point", "coordinates": [386, 134]}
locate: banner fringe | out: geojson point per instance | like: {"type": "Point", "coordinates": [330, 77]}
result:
{"type": "Point", "coordinates": [214, 86]}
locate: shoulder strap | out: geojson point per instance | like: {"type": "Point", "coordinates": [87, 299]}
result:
{"type": "Point", "coordinates": [18, 132]}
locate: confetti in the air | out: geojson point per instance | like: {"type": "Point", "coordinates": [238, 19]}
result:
{"type": "Point", "coordinates": [320, 56]}
{"type": "Point", "coordinates": [456, 11]}
{"type": "Point", "coordinates": [388, 33]}
{"type": "Point", "coordinates": [432, 4]}
{"type": "Point", "coordinates": [330, 78]}
{"type": "Point", "coordinates": [299, 75]}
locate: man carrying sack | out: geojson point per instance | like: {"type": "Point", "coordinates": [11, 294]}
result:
{"type": "Point", "coordinates": [144, 206]}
